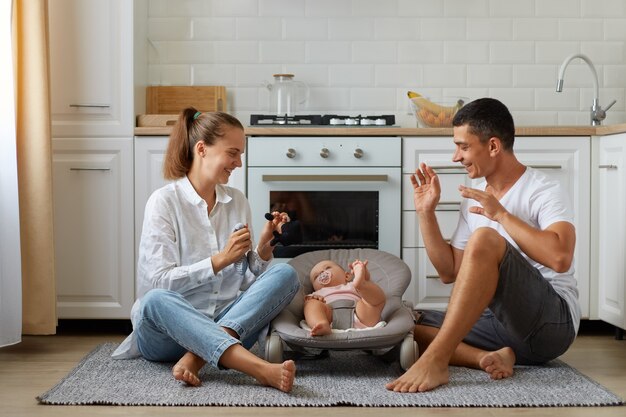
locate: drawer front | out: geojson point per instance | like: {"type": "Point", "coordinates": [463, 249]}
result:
{"type": "Point", "coordinates": [426, 290]}
{"type": "Point", "coordinates": [411, 235]}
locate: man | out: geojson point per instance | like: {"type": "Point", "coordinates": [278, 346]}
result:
{"type": "Point", "coordinates": [514, 299]}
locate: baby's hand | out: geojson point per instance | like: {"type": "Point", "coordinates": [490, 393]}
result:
{"type": "Point", "coordinates": [318, 297]}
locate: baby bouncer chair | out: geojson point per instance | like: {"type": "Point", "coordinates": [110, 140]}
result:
{"type": "Point", "coordinates": [395, 338]}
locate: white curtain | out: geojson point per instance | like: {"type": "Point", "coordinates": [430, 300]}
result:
{"type": "Point", "coordinates": [10, 259]}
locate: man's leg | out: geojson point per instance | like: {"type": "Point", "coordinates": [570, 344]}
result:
{"type": "Point", "coordinates": [474, 289]}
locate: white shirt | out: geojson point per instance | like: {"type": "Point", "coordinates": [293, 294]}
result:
{"type": "Point", "coordinates": [177, 242]}
{"type": "Point", "coordinates": [539, 201]}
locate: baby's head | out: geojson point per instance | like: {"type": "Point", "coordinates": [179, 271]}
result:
{"type": "Point", "coordinates": [328, 274]}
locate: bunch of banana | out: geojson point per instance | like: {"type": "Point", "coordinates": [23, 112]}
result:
{"type": "Point", "coordinates": [433, 114]}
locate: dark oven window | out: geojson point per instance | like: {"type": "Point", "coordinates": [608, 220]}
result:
{"type": "Point", "coordinates": [328, 219]}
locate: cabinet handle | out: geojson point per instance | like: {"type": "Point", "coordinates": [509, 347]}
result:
{"type": "Point", "coordinates": [458, 168]}
{"type": "Point", "coordinates": [609, 166]}
{"type": "Point", "coordinates": [448, 206]}
{"type": "Point", "coordinates": [309, 178]}
{"type": "Point", "coordinates": [432, 276]}
{"type": "Point", "coordinates": [90, 169]}
{"type": "Point", "coordinates": [101, 106]}
{"type": "Point", "coordinates": [546, 166]}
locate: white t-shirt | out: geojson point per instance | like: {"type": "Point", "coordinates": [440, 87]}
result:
{"type": "Point", "coordinates": [179, 238]}
{"type": "Point", "coordinates": [539, 201]}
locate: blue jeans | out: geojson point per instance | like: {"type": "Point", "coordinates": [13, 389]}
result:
{"type": "Point", "coordinates": [170, 326]}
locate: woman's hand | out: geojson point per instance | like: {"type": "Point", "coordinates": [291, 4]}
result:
{"type": "Point", "coordinates": [267, 234]}
{"type": "Point", "coordinates": [238, 244]}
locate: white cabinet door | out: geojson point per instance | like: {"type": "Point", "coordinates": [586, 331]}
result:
{"type": "Point", "coordinates": [610, 183]}
{"type": "Point", "coordinates": [93, 227]}
{"type": "Point", "coordinates": [91, 67]}
{"type": "Point", "coordinates": [567, 159]}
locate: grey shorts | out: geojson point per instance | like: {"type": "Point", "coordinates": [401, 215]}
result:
{"type": "Point", "coordinates": [525, 314]}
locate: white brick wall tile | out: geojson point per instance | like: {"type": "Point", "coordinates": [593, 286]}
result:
{"type": "Point", "coordinates": [608, 52]}
{"type": "Point", "coordinates": [350, 29]}
{"type": "Point", "coordinates": [489, 75]}
{"type": "Point", "coordinates": [254, 28]}
{"type": "Point", "coordinates": [535, 29]}
{"type": "Point", "coordinates": [396, 28]}
{"type": "Point", "coordinates": [188, 52]}
{"type": "Point", "coordinates": [281, 8]}
{"type": "Point", "coordinates": [351, 75]}
{"type": "Point", "coordinates": [169, 29]}
{"type": "Point", "coordinates": [534, 76]}
{"type": "Point", "coordinates": [246, 99]}
{"type": "Point", "coordinates": [445, 75]}
{"type": "Point", "coordinates": [466, 8]}
{"type": "Point", "coordinates": [255, 75]}
{"type": "Point", "coordinates": [554, 52]}
{"type": "Point", "coordinates": [306, 28]}
{"type": "Point", "coordinates": [374, 8]}
{"type": "Point", "coordinates": [615, 76]}
{"type": "Point", "coordinates": [372, 99]}
{"type": "Point", "coordinates": [398, 74]}
{"type": "Point", "coordinates": [213, 28]}
{"type": "Point", "coordinates": [580, 29]}
{"type": "Point", "coordinates": [420, 7]}
{"type": "Point", "coordinates": [515, 98]}
{"type": "Point", "coordinates": [484, 29]}
{"type": "Point", "coordinates": [188, 8]}
{"type": "Point", "coordinates": [236, 52]}
{"type": "Point", "coordinates": [512, 52]}
{"type": "Point", "coordinates": [328, 52]}
{"type": "Point", "coordinates": [335, 100]}
{"type": "Point", "coordinates": [467, 94]}
{"type": "Point", "coordinates": [374, 52]}
{"type": "Point", "coordinates": [427, 52]}
{"type": "Point", "coordinates": [232, 8]}
{"type": "Point", "coordinates": [281, 52]}
{"type": "Point", "coordinates": [312, 74]}
{"type": "Point", "coordinates": [573, 118]}
{"type": "Point", "coordinates": [557, 8]}
{"type": "Point", "coordinates": [328, 8]}
{"type": "Point", "coordinates": [474, 52]}
{"type": "Point", "coordinates": [169, 75]}
{"type": "Point", "coordinates": [594, 8]}
{"type": "Point", "coordinates": [218, 74]}
{"type": "Point", "coordinates": [433, 29]}
{"type": "Point", "coordinates": [549, 99]}
{"type": "Point", "coordinates": [615, 29]}
{"type": "Point", "coordinates": [511, 8]}
{"type": "Point", "coordinates": [524, 118]}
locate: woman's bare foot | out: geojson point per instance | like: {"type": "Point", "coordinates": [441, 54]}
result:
{"type": "Point", "coordinates": [424, 375]}
{"type": "Point", "coordinates": [279, 375]}
{"type": "Point", "coordinates": [498, 364]}
{"type": "Point", "coordinates": [321, 329]}
{"type": "Point", "coordinates": [188, 368]}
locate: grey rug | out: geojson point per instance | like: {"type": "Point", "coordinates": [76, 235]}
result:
{"type": "Point", "coordinates": [344, 379]}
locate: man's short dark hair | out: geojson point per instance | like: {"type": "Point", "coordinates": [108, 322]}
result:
{"type": "Point", "coordinates": [487, 118]}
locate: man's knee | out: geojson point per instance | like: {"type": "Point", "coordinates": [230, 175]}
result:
{"type": "Point", "coordinates": [486, 242]}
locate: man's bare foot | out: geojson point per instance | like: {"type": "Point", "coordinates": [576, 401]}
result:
{"type": "Point", "coordinates": [361, 274]}
{"type": "Point", "coordinates": [321, 329]}
{"type": "Point", "coordinates": [423, 376]}
{"type": "Point", "coordinates": [279, 375]}
{"type": "Point", "coordinates": [498, 364]}
{"type": "Point", "coordinates": [188, 368]}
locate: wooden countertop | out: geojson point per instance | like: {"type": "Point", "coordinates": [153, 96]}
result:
{"type": "Point", "coordinates": [402, 131]}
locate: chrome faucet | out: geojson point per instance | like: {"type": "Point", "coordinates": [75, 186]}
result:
{"type": "Point", "coordinates": [597, 113]}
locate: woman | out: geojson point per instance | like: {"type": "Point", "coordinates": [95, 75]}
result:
{"type": "Point", "coordinates": [196, 304]}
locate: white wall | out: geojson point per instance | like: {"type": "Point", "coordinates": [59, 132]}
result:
{"type": "Point", "coordinates": [361, 56]}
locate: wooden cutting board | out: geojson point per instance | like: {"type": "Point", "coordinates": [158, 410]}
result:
{"type": "Point", "coordinates": [173, 99]}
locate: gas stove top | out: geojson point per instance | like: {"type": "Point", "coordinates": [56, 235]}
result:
{"type": "Point", "coordinates": [321, 120]}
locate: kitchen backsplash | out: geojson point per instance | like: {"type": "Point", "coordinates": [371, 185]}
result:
{"type": "Point", "coordinates": [361, 56]}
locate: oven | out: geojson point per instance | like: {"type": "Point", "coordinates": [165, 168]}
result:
{"type": "Point", "coordinates": [343, 192]}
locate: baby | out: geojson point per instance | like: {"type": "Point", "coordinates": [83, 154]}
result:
{"type": "Point", "coordinates": [331, 282]}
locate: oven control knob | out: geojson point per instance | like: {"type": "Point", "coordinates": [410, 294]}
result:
{"type": "Point", "coordinates": [358, 153]}
{"type": "Point", "coordinates": [291, 153]}
{"type": "Point", "coordinates": [324, 153]}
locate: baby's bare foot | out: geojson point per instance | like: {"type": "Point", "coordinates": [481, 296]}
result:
{"type": "Point", "coordinates": [361, 274]}
{"type": "Point", "coordinates": [279, 375]}
{"type": "Point", "coordinates": [188, 368]}
{"type": "Point", "coordinates": [498, 364]}
{"type": "Point", "coordinates": [321, 329]}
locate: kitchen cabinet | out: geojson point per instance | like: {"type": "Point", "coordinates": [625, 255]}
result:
{"type": "Point", "coordinates": [91, 67]}
{"type": "Point", "coordinates": [609, 231]}
{"type": "Point", "coordinates": [93, 227]}
{"type": "Point", "coordinates": [564, 158]}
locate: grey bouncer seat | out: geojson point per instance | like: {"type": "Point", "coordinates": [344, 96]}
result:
{"type": "Point", "coordinates": [386, 270]}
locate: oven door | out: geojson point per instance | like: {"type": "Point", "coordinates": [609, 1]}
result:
{"type": "Point", "coordinates": [333, 207]}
